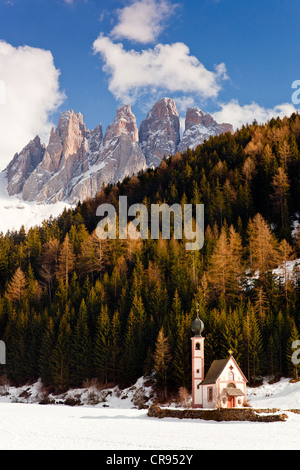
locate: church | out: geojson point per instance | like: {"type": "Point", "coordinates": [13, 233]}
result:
{"type": "Point", "coordinates": [224, 385]}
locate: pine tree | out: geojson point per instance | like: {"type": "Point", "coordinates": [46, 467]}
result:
{"type": "Point", "coordinates": [252, 343]}
{"type": "Point", "coordinates": [80, 348]}
{"type": "Point", "coordinates": [15, 339]}
{"type": "Point", "coordinates": [102, 346]}
{"type": "Point", "coordinates": [162, 359]}
{"type": "Point", "coordinates": [46, 352]}
{"type": "Point", "coordinates": [135, 345]}
{"type": "Point", "coordinates": [180, 369]}
{"type": "Point", "coordinates": [115, 347]}
{"type": "Point", "coordinates": [60, 357]}
{"type": "Point", "coordinates": [294, 336]}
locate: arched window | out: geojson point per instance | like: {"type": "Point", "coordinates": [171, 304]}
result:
{"type": "Point", "coordinates": [197, 347]}
{"type": "Point", "coordinates": [230, 376]}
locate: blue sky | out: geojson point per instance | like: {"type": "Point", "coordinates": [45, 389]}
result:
{"type": "Point", "coordinates": [236, 59]}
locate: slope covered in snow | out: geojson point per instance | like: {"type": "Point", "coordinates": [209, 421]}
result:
{"type": "Point", "coordinates": [14, 212]}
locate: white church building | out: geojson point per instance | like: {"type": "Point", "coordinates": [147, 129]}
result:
{"type": "Point", "coordinates": [224, 385]}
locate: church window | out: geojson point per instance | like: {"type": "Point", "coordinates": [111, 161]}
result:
{"type": "Point", "coordinates": [230, 376]}
{"type": "Point", "coordinates": [197, 346]}
{"type": "Point", "coordinates": [210, 394]}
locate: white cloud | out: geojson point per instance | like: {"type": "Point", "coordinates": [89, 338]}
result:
{"type": "Point", "coordinates": [32, 93]}
{"type": "Point", "coordinates": [143, 20]}
{"type": "Point", "coordinates": [238, 115]}
{"type": "Point", "coordinates": [167, 67]}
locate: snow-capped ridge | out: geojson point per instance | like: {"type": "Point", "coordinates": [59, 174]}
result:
{"type": "Point", "coordinates": [76, 162]}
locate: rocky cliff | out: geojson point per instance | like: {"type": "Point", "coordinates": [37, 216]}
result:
{"type": "Point", "coordinates": [199, 127]}
{"type": "Point", "coordinates": [77, 162]}
{"type": "Point", "coordinates": [159, 133]}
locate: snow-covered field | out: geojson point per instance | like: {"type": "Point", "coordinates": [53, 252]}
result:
{"type": "Point", "coordinates": [15, 212]}
{"type": "Point", "coordinates": [116, 425]}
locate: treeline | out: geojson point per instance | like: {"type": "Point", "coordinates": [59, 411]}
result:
{"type": "Point", "coordinates": [73, 307]}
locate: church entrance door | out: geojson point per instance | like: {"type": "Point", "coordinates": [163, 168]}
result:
{"type": "Point", "coordinates": [230, 402]}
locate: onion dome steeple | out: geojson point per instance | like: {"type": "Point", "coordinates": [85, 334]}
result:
{"type": "Point", "coordinates": [197, 325]}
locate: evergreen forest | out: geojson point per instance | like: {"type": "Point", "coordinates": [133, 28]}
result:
{"type": "Point", "coordinates": [75, 308]}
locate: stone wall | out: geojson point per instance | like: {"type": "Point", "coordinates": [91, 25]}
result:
{"type": "Point", "coordinates": [244, 414]}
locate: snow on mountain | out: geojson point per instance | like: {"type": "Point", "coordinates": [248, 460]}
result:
{"type": "Point", "coordinates": [76, 162]}
{"type": "Point", "coordinates": [159, 133]}
{"type": "Point", "coordinates": [15, 212]}
{"type": "Point", "coordinates": [43, 179]}
{"type": "Point", "coordinates": [199, 127]}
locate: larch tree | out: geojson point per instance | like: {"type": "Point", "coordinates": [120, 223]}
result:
{"type": "Point", "coordinates": [218, 268]}
{"type": "Point", "coordinates": [263, 253]}
{"type": "Point", "coordinates": [49, 264]}
{"type": "Point", "coordinates": [66, 262]}
{"type": "Point", "coordinates": [16, 289]}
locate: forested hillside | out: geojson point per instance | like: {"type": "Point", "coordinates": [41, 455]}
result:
{"type": "Point", "coordinates": [73, 307]}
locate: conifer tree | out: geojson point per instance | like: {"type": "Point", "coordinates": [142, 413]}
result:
{"type": "Point", "coordinates": [252, 343]}
{"type": "Point", "coordinates": [102, 346]}
{"type": "Point", "coordinates": [135, 346]}
{"type": "Point", "coordinates": [46, 350]}
{"type": "Point", "coordinates": [115, 347]}
{"type": "Point", "coordinates": [182, 358]}
{"type": "Point", "coordinates": [49, 264]}
{"type": "Point", "coordinates": [60, 357]}
{"type": "Point", "coordinates": [80, 348]}
{"type": "Point", "coordinates": [66, 261]}
{"type": "Point", "coordinates": [281, 185]}
{"type": "Point", "coordinates": [293, 367]}
{"type": "Point", "coordinates": [16, 289]}
{"type": "Point", "coordinates": [162, 358]}
{"type": "Point", "coordinates": [15, 339]}
{"type": "Point", "coordinates": [263, 254]}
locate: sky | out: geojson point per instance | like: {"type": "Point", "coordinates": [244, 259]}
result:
{"type": "Point", "coordinates": [234, 59]}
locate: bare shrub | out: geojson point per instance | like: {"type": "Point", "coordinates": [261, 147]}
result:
{"type": "Point", "coordinates": [184, 397]}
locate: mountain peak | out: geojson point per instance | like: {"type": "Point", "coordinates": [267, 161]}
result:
{"type": "Point", "coordinates": [76, 161]}
{"type": "Point", "coordinates": [199, 127]}
{"type": "Point", "coordinates": [124, 123]}
{"type": "Point", "coordinates": [159, 133]}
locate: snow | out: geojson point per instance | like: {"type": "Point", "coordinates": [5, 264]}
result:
{"type": "Point", "coordinates": [121, 426]}
{"type": "Point", "coordinates": [14, 212]}
{"type": "Point", "coordinates": [283, 395]}
{"type": "Point", "coordinates": [290, 270]}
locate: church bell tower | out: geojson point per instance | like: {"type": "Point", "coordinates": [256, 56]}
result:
{"type": "Point", "coordinates": [197, 362]}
